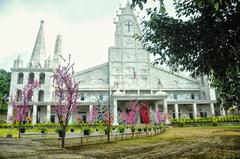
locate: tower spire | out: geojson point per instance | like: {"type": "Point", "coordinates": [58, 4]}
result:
{"type": "Point", "coordinates": [57, 51]}
{"type": "Point", "coordinates": [39, 52]}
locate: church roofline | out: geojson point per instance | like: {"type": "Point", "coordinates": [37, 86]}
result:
{"type": "Point", "coordinates": [32, 69]}
{"type": "Point", "coordinates": [90, 69]}
{"type": "Point", "coordinates": [176, 74]}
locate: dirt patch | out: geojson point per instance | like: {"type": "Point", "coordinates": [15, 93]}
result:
{"type": "Point", "coordinates": [175, 143]}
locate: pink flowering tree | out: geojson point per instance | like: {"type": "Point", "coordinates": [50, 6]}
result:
{"type": "Point", "coordinates": [160, 117]}
{"type": "Point", "coordinates": [92, 115]}
{"type": "Point", "coordinates": [66, 89]}
{"type": "Point", "coordinates": [105, 115]}
{"type": "Point", "coordinates": [131, 116]}
{"type": "Point", "coordinates": [21, 101]}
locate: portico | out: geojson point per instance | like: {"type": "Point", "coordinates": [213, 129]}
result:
{"type": "Point", "coordinates": [159, 98]}
{"type": "Point", "coordinates": [191, 109]}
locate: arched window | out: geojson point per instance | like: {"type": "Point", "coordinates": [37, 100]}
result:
{"type": "Point", "coordinates": [42, 78]}
{"type": "Point", "coordinates": [192, 96]}
{"type": "Point", "coordinates": [20, 78]}
{"type": "Point", "coordinates": [19, 95]}
{"type": "Point", "coordinates": [41, 96]}
{"type": "Point", "coordinates": [31, 77]}
{"type": "Point", "coordinates": [175, 96]}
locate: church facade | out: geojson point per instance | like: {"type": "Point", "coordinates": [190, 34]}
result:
{"type": "Point", "coordinates": [128, 75]}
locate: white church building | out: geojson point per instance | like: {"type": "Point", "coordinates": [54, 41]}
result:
{"type": "Point", "coordinates": [128, 75]}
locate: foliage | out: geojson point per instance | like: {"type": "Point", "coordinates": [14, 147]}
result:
{"type": "Point", "coordinates": [121, 128]}
{"type": "Point", "coordinates": [21, 103]}
{"type": "Point", "coordinates": [216, 4]}
{"type": "Point", "coordinates": [66, 89]}
{"type": "Point", "coordinates": [42, 129]}
{"type": "Point", "coordinates": [205, 120]}
{"type": "Point", "coordinates": [206, 42]}
{"type": "Point", "coordinates": [160, 118]}
{"type": "Point", "coordinates": [4, 88]}
{"type": "Point", "coordinates": [157, 117]}
{"type": "Point", "coordinates": [131, 116]}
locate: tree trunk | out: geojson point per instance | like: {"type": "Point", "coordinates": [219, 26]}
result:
{"type": "Point", "coordinates": [108, 133]}
{"type": "Point", "coordinates": [132, 132]}
{"type": "Point", "coordinates": [63, 137]}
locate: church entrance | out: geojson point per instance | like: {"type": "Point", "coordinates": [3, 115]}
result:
{"type": "Point", "coordinates": [145, 115]}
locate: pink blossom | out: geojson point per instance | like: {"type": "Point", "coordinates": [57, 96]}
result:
{"type": "Point", "coordinates": [92, 115]}
{"type": "Point", "coordinates": [131, 116]}
{"type": "Point", "coordinates": [160, 118]}
{"type": "Point", "coordinates": [66, 91]}
{"type": "Point", "coordinates": [21, 105]}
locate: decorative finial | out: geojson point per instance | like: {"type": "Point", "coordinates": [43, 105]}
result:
{"type": "Point", "coordinates": [42, 21]}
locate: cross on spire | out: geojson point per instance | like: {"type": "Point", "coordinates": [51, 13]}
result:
{"type": "Point", "coordinates": [129, 25]}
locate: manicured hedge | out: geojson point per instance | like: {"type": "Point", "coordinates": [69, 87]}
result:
{"type": "Point", "coordinates": [205, 120]}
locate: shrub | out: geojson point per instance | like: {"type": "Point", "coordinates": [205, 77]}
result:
{"type": "Point", "coordinates": [42, 129]}
{"type": "Point", "coordinates": [214, 123]}
{"type": "Point", "coordinates": [121, 128]}
{"type": "Point", "coordinates": [132, 129]}
{"type": "Point", "coordinates": [145, 129]}
{"type": "Point", "coordinates": [181, 124]}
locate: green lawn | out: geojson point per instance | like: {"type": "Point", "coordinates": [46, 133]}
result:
{"type": "Point", "coordinates": [14, 131]}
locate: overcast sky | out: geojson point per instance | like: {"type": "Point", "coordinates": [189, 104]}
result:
{"type": "Point", "coordinates": [86, 27]}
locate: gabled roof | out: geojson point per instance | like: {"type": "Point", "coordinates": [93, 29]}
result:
{"type": "Point", "coordinates": [90, 69]}
{"type": "Point", "coordinates": [175, 73]}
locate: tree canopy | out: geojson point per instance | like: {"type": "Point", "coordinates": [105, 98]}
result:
{"type": "Point", "coordinates": [204, 39]}
{"type": "Point", "coordinates": [4, 87]}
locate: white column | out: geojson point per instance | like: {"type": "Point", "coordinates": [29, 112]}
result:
{"type": "Point", "coordinates": [10, 114]}
{"type": "Point", "coordinates": [34, 115]}
{"type": "Point", "coordinates": [176, 111]}
{"type": "Point", "coordinates": [48, 113]}
{"type": "Point", "coordinates": [194, 107]}
{"type": "Point", "coordinates": [165, 106]}
{"type": "Point", "coordinates": [115, 113]}
{"type": "Point", "coordinates": [90, 107]}
{"type": "Point", "coordinates": [212, 111]}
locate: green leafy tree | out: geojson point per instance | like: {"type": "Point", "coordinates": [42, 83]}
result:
{"type": "Point", "coordinates": [206, 42]}
{"type": "Point", "coordinates": [4, 88]}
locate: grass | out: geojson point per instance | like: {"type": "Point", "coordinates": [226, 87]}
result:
{"type": "Point", "coordinates": [14, 131]}
{"type": "Point", "coordinates": [195, 142]}
{"type": "Point", "coordinates": [186, 142]}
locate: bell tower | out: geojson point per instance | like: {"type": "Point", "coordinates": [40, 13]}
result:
{"type": "Point", "coordinates": [129, 63]}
